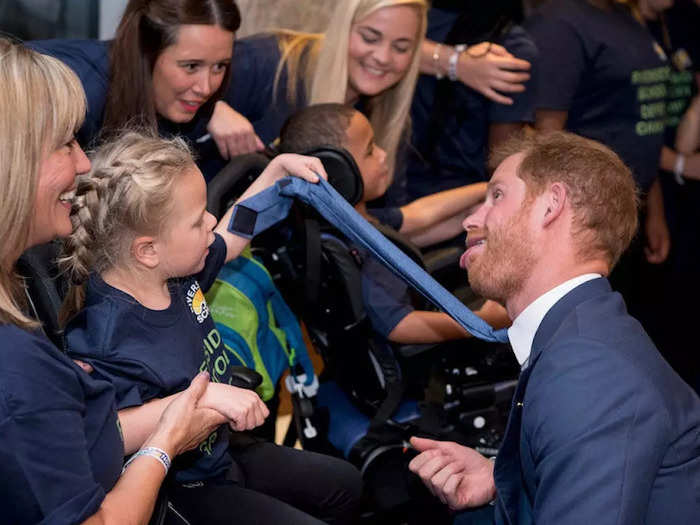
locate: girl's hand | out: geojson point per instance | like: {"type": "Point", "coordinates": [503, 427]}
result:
{"type": "Point", "coordinates": [491, 70]}
{"type": "Point", "coordinates": [232, 132]}
{"type": "Point", "coordinates": [185, 422]}
{"type": "Point", "coordinates": [307, 168]}
{"type": "Point", "coordinates": [243, 408]}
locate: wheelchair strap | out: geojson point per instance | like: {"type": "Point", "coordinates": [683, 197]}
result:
{"type": "Point", "coordinates": [270, 206]}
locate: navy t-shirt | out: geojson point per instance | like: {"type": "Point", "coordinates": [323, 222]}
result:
{"type": "Point", "coordinates": [151, 354]}
{"type": "Point", "coordinates": [681, 202]}
{"type": "Point", "coordinates": [682, 52]}
{"type": "Point", "coordinates": [62, 448]}
{"type": "Point", "coordinates": [456, 155]}
{"type": "Point", "coordinates": [386, 296]}
{"type": "Point", "coordinates": [605, 69]}
{"type": "Point", "coordinates": [89, 59]}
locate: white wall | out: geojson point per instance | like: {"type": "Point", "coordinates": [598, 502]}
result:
{"type": "Point", "coordinates": [110, 13]}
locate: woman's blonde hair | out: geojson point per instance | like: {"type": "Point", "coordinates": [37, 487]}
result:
{"type": "Point", "coordinates": [128, 192]}
{"type": "Point", "coordinates": [320, 63]}
{"type": "Point", "coordinates": [42, 105]}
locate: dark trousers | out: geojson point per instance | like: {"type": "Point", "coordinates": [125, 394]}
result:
{"type": "Point", "coordinates": [271, 485]}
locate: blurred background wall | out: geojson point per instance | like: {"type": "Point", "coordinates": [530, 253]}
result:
{"type": "Point", "coordinates": [38, 19]}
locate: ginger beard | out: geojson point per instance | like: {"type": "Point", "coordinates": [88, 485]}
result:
{"type": "Point", "coordinates": [500, 268]}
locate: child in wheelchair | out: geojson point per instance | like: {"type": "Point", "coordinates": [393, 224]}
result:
{"type": "Point", "coordinates": [143, 252]}
{"type": "Point", "coordinates": [430, 219]}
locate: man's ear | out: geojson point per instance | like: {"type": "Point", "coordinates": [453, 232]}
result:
{"type": "Point", "coordinates": [144, 250]}
{"type": "Point", "coordinates": [554, 202]}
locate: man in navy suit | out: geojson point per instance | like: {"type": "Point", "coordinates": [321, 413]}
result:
{"type": "Point", "coordinates": [601, 429]}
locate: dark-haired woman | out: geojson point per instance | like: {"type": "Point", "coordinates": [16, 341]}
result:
{"type": "Point", "coordinates": [165, 70]}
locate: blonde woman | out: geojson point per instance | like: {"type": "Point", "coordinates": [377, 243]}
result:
{"type": "Point", "coordinates": [63, 442]}
{"type": "Point", "coordinates": [369, 57]}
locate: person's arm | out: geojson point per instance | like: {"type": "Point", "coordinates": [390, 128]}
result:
{"type": "Point", "coordinates": [658, 237]}
{"type": "Point", "coordinates": [307, 168]}
{"type": "Point", "coordinates": [687, 143]}
{"type": "Point", "coordinates": [691, 164]}
{"type": "Point", "coordinates": [232, 132]}
{"type": "Point", "coordinates": [242, 409]}
{"type": "Point", "coordinates": [688, 133]}
{"type": "Point", "coordinates": [485, 67]}
{"type": "Point", "coordinates": [459, 476]}
{"type": "Point", "coordinates": [442, 231]}
{"type": "Point", "coordinates": [500, 132]}
{"type": "Point", "coordinates": [431, 210]}
{"type": "Point", "coordinates": [421, 326]}
{"type": "Point", "coordinates": [550, 120]}
{"type": "Point", "coordinates": [181, 427]}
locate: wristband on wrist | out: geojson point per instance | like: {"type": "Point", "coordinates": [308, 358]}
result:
{"type": "Point", "coordinates": [452, 62]}
{"type": "Point", "coordinates": [436, 61]}
{"type": "Point", "coordinates": [156, 453]}
{"type": "Point", "coordinates": [678, 168]}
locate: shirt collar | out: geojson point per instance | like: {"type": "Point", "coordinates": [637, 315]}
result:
{"type": "Point", "coordinates": [524, 327]}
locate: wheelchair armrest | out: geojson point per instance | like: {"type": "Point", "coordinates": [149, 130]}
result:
{"type": "Point", "coordinates": [244, 377]}
{"type": "Point", "coordinates": [408, 351]}
{"type": "Point", "coordinates": [442, 258]}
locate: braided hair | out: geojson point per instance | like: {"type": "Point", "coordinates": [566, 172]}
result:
{"type": "Point", "coordinates": [127, 193]}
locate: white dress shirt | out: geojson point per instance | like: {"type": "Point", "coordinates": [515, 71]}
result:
{"type": "Point", "coordinates": [524, 327]}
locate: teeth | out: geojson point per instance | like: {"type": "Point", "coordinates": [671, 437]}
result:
{"type": "Point", "coordinates": [67, 196]}
{"type": "Point", "coordinates": [374, 71]}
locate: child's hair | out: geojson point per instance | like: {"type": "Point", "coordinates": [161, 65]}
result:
{"type": "Point", "coordinates": [317, 125]}
{"type": "Point", "coordinates": [128, 192]}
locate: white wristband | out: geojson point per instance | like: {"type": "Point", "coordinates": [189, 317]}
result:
{"type": "Point", "coordinates": [452, 62]}
{"type": "Point", "coordinates": [678, 168]}
{"type": "Point", "coordinates": [154, 452]}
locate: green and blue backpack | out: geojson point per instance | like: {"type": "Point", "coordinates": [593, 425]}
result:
{"type": "Point", "coordinates": [256, 325]}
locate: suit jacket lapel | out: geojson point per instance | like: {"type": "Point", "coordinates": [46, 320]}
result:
{"type": "Point", "coordinates": [561, 309]}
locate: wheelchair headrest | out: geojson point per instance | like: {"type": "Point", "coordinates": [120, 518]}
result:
{"type": "Point", "coordinates": [343, 173]}
{"type": "Point", "coordinates": [233, 180]}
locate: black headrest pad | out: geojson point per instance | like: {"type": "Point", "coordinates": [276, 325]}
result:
{"type": "Point", "coordinates": [343, 173]}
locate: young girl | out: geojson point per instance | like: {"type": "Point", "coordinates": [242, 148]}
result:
{"type": "Point", "coordinates": [142, 253]}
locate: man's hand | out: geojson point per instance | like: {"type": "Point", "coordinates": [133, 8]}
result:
{"type": "Point", "coordinates": [243, 408]}
{"type": "Point", "coordinates": [458, 475]}
{"type": "Point", "coordinates": [232, 132]}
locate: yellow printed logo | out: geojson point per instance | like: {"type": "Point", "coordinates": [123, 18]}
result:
{"type": "Point", "coordinates": [197, 303]}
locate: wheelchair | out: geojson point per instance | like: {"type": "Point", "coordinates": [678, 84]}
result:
{"type": "Point", "coordinates": [373, 395]}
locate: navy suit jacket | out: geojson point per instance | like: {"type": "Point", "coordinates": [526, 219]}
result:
{"type": "Point", "coordinates": [602, 430]}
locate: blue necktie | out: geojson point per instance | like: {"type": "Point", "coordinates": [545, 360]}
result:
{"type": "Point", "coordinates": [270, 206]}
